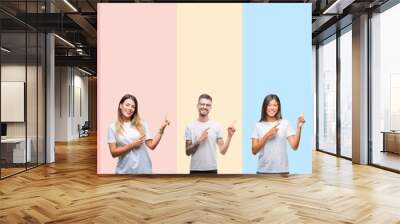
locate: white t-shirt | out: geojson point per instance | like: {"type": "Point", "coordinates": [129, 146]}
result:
{"type": "Point", "coordinates": [205, 157]}
{"type": "Point", "coordinates": [135, 160]}
{"type": "Point", "coordinates": [273, 157]}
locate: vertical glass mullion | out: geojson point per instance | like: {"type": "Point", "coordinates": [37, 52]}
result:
{"type": "Point", "coordinates": [338, 73]}
{"type": "Point", "coordinates": [44, 79]}
{"type": "Point", "coordinates": [26, 85]}
{"type": "Point", "coordinates": [1, 165]}
{"type": "Point", "coordinates": [369, 91]}
{"type": "Point", "coordinates": [317, 96]}
{"type": "Point", "coordinates": [37, 88]}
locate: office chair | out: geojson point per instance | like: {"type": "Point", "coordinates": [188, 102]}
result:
{"type": "Point", "coordinates": [84, 130]}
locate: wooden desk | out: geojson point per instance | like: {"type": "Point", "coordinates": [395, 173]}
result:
{"type": "Point", "coordinates": [391, 141]}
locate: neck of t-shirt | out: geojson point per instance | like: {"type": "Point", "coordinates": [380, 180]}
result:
{"type": "Point", "coordinates": [272, 122]}
{"type": "Point", "coordinates": [127, 123]}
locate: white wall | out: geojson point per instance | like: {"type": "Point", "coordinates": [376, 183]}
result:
{"type": "Point", "coordinates": [79, 111]}
{"type": "Point", "coordinates": [14, 73]}
{"type": "Point", "coordinates": [70, 83]}
{"type": "Point", "coordinates": [62, 81]}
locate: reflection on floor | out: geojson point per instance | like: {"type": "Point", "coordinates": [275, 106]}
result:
{"type": "Point", "coordinates": [10, 169]}
{"type": "Point", "coordinates": [386, 159]}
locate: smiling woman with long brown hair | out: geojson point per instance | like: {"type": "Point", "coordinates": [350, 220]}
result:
{"type": "Point", "coordinates": [129, 136]}
{"type": "Point", "coordinates": [270, 135]}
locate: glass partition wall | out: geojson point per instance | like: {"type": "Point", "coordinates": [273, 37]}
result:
{"type": "Point", "coordinates": [334, 104]}
{"type": "Point", "coordinates": [334, 75]}
{"type": "Point", "coordinates": [385, 89]}
{"type": "Point", "coordinates": [22, 87]}
{"type": "Point", "coordinates": [345, 62]}
{"type": "Point", "coordinates": [327, 95]}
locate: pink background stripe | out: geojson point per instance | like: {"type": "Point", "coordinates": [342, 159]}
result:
{"type": "Point", "coordinates": [137, 55]}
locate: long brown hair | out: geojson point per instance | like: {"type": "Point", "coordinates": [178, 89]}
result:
{"type": "Point", "coordinates": [268, 99]}
{"type": "Point", "coordinates": [135, 118]}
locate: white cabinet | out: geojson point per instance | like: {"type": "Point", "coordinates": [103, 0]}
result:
{"type": "Point", "coordinates": [18, 149]}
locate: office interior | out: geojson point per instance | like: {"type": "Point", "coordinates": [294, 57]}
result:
{"type": "Point", "coordinates": [337, 82]}
{"type": "Point", "coordinates": [48, 80]}
{"type": "Point", "coordinates": [48, 76]}
{"type": "Point", "coordinates": [44, 94]}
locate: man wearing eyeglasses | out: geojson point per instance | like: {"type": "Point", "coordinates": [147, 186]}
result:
{"type": "Point", "coordinates": [202, 137]}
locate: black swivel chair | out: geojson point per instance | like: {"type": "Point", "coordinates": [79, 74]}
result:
{"type": "Point", "coordinates": [84, 130]}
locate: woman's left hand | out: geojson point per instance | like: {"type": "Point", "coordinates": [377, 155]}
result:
{"type": "Point", "coordinates": [165, 123]}
{"type": "Point", "coordinates": [300, 121]}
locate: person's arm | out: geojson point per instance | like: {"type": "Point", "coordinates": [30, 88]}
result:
{"type": "Point", "coordinates": [118, 151]}
{"type": "Point", "coordinates": [223, 146]}
{"type": "Point", "coordinates": [294, 140]}
{"type": "Point", "coordinates": [152, 143]}
{"type": "Point", "coordinates": [258, 143]}
{"type": "Point", "coordinates": [191, 147]}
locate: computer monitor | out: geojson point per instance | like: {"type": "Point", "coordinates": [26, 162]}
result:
{"type": "Point", "coordinates": [3, 129]}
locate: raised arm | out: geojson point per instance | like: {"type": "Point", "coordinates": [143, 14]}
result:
{"type": "Point", "coordinates": [294, 140]}
{"type": "Point", "coordinates": [152, 143]}
{"type": "Point", "coordinates": [223, 146]}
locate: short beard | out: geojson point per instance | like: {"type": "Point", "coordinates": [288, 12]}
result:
{"type": "Point", "coordinates": [202, 115]}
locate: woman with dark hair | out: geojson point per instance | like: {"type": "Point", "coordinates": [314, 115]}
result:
{"type": "Point", "coordinates": [129, 136]}
{"type": "Point", "coordinates": [269, 137]}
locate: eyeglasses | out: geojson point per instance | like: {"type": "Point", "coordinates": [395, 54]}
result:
{"type": "Point", "coordinates": [204, 105]}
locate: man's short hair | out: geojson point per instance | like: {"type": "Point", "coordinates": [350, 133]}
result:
{"type": "Point", "coordinates": [205, 96]}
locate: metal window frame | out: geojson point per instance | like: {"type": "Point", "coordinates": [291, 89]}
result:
{"type": "Point", "coordinates": [338, 34]}
{"type": "Point", "coordinates": [44, 72]}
